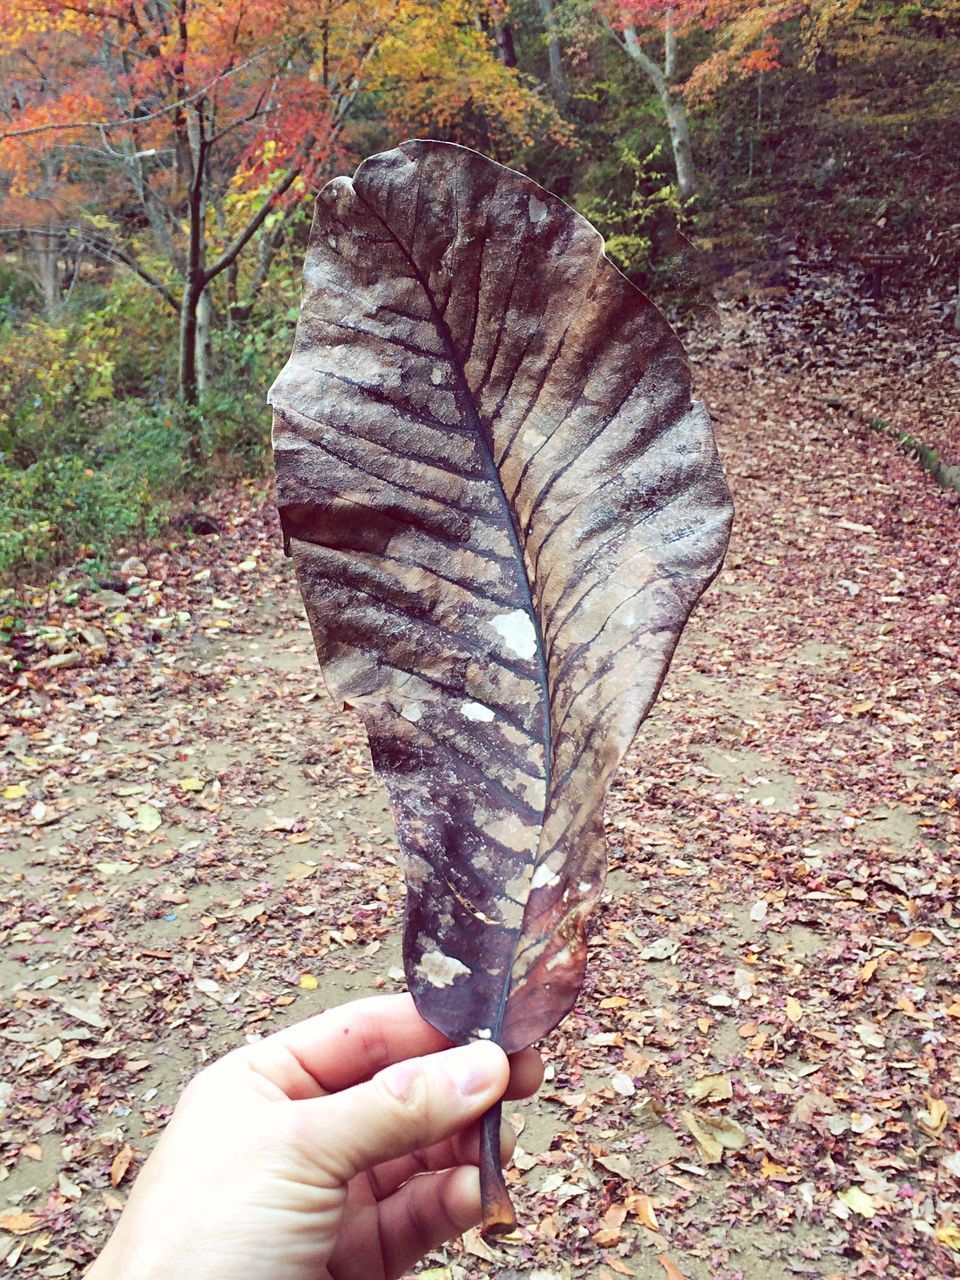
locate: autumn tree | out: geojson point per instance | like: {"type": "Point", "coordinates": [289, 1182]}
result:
{"type": "Point", "coordinates": [652, 33]}
{"type": "Point", "coordinates": [174, 137]}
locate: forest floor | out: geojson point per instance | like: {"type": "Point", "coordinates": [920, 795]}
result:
{"type": "Point", "coordinates": [762, 1078]}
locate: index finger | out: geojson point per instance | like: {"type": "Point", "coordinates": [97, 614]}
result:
{"type": "Point", "coordinates": [343, 1046]}
{"type": "Point", "coordinates": [349, 1044]}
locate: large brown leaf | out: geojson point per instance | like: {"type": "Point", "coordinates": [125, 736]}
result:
{"type": "Point", "coordinates": [502, 506]}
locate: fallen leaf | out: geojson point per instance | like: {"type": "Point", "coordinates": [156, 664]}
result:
{"type": "Point", "coordinates": [870, 1036]}
{"type": "Point", "coordinates": [856, 1198]}
{"type": "Point", "coordinates": [714, 1135]}
{"type": "Point", "coordinates": [617, 1164]}
{"type": "Point", "coordinates": [308, 982]}
{"type": "Point", "coordinates": [775, 1172]}
{"type": "Point", "coordinates": [672, 1272]}
{"type": "Point", "coordinates": [120, 1164]}
{"type": "Point", "coordinates": [661, 949]}
{"type": "Point", "coordinates": [641, 1207]}
{"type": "Point", "coordinates": [711, 1089]}
{"type": "Point", "coordinates": [16, 791]}
{"type": "Point", "coordinates": [933, 1120]}
{"type": "Point", "coordinates": [794, 1009]}
{"type": "Point", "coordinates": [19, 1224]}
{"type": "Point", "coordinates": [148, 818]}
{"type": "Point", "coordinates": [623, 1084]}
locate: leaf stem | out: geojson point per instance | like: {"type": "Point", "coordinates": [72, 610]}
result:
{"type": "Point", "coordinates": [498, 1214]}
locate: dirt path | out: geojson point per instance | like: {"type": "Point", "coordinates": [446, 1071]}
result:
{"type": "Point", "coordinates": [195, 850]}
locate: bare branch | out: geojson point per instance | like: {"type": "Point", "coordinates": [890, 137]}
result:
{"type": "Point", "coordinates": [128, 122]}
{"type": "Point", "coordinates": [233, 251]}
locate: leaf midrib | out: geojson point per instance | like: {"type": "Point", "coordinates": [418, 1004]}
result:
{"type": "Point", "coordinates": [471, 414]}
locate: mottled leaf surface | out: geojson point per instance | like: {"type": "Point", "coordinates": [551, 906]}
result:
{"type": "Point", "coordinates": [502, 506]}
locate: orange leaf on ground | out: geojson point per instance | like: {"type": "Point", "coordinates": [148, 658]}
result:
{"type": "Point", "coordinates": [19, 1224]}
{"type": "Point", "coordinates": [121, 1163]}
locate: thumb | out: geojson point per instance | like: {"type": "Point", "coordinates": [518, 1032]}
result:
{"type": "Point", "coordinates": [407, 1106]}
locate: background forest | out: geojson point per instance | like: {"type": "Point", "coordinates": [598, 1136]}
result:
{"type": "Point", "coordinates": [158, 160]}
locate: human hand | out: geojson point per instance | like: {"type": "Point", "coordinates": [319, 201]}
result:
{"type": "Point", "coordinates": [342, 1148]}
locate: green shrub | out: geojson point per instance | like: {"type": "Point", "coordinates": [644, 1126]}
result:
{"type": "Point", "coordinates": [66, 507]}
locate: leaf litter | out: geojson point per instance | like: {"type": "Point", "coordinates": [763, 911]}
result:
{"type": "Point", "coordinates": [803, 754]}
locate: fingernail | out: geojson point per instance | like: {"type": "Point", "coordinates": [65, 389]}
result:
{"type": "Point", "coordinates": [473, 1067]}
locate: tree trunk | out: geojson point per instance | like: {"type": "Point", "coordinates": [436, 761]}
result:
{"type": "Point", "coordinates": [49, 254]}
{"type": "Point", "coordinates": [204, 340]}
{"type": "Point", "coordinates": [189, 382]}
{"type": "Point", "coordinates": [662, 80]}
{"type": "Point", "coordinates": [503, 33]}
{"type": "Point", "coordinates": [558, 81]}
{"type": "Point", "coordinates": [680, 142]}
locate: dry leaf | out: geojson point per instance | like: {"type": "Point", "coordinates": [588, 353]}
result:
{"type": "Point", "coordinates": [870, 1036]}
{"type": "Point", "coordinates": [856, 1198]}
{"type": "Point", "coordinates": [618, 1164]}
{"type": "Point", "coordinates": [148, 818]}
{"type": "Point", "coordinates": [623, 1084]}
{"type": "Point", "coordinates": [714, 1135]}
{"type": "Point", "coordinates": [19, 1224]}
{"type": "Point", "coordinates": [641, 1207]}
{"type": "Point", "coordinates": [499, 535]}
{"type": "Point", "coordinates": [711, 1089]}
{"type": "Point", "coordinates": [120, 1164]}
{"type": "Point", "coordinates": [933, 1120]}
{"type": "Point", "coordinates": [672, 1272]}
{"type": "Point", "coordinates": [474, 1243]}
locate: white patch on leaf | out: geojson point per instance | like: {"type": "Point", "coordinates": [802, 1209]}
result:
{"type": "Point", "coordinates": [441, 970]}
{"type": "Point", "coordinates": [518, 631]}
{"type": "Point", "coordinates": [476, 711]}
{"type": "Point", "coordinates": [544, 878]}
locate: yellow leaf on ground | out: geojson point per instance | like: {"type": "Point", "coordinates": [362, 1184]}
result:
{"type": "Point", "coordinates": [856, 1198]}
{"type": "Point", "coordinates": [869, 969]}
{"type": "Point", "coordinates": [148, 818]}
{"type": "Point", "coordinates": [308, 982]}
{"type": "Point", "coordinates": [794, 1009]}
{"type": "Point", "coordinates": [949, 1234]}
{"type": "Point", "coordinates": [16, 791]}
{"type": "Point", "coordinates": [711, 1089]}
{"type": "Point", "coordinates": [934, 1119]}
